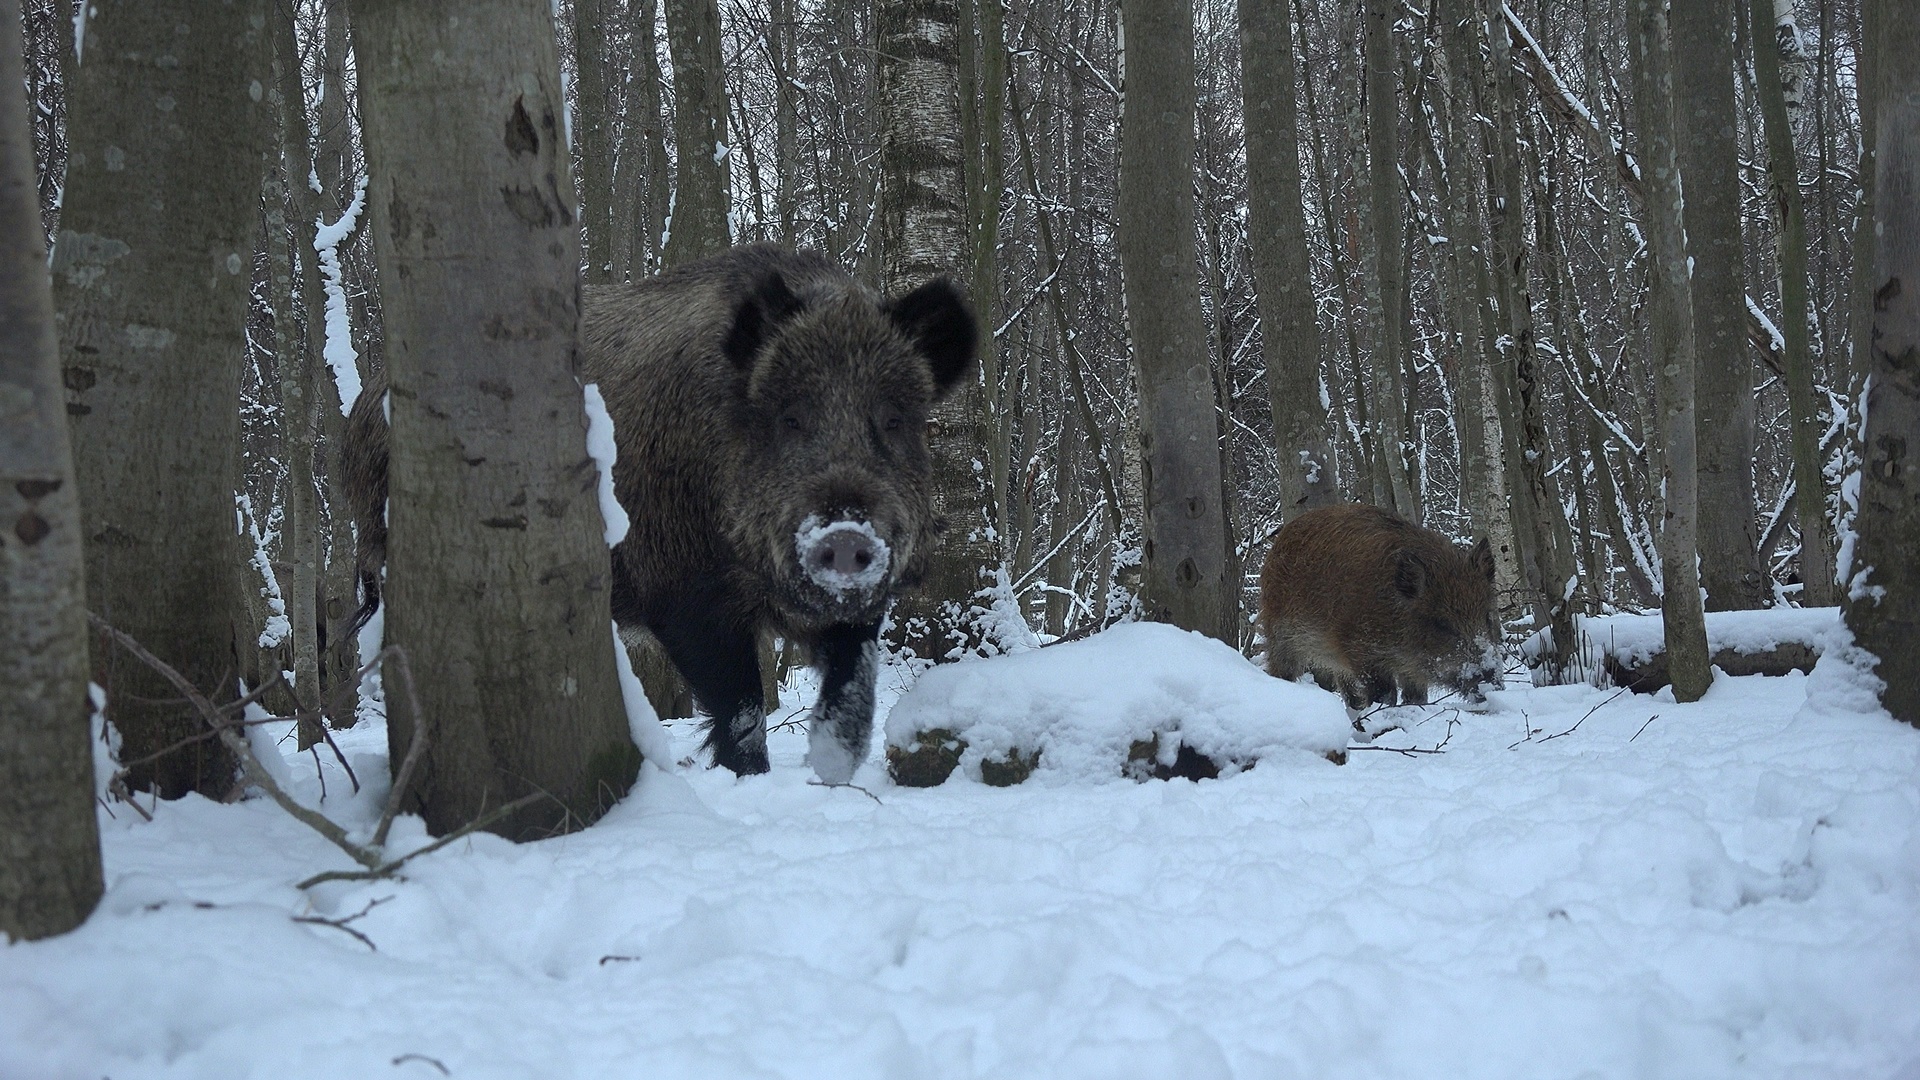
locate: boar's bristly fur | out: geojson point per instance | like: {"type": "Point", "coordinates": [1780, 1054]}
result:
{"type": "Point", "coordinates": [1370, 603]}
{"type": "Point", "coordinates": [770, 415]}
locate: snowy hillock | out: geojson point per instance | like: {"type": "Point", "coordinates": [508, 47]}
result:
{"type": "Point", "coordinates": [1631, 649]}
{"type": "Point", "coordinates": [1140, 699]}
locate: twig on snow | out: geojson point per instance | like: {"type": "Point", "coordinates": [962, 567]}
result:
{"type": "Point", "coordinates": [1583, 718]}
{"type": "Point", "coordinates": [341, 924]}
{"type": "Point", "coordinates": [435, 1062]}
{"type": "Point", "coordinates": [1643, 727]}
{"type": "Point", "coordinates": [856, 787]}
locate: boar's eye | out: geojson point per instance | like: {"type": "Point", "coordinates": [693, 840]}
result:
{"type": "Point", "coordinates": [894, 423]}
{"type": "Point", "coordinates": [1443, 627]}
{"type": "Point", "coordinates": [791, 423]}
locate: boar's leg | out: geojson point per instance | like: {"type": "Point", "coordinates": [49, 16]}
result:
{"type": "Point", "coordinates": [1367, 689]}
{"type": "Point", "coordinates": [841, 725]}
{"type": "Point", "coordinates": [1413, 692]}
{"type": "Point", "coordinates": [722, 667]}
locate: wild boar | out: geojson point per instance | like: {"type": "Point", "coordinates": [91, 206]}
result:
{"type": "Point", "coordinates": [1370, 602]}
{"type": "Point", "coordinates": [770, 416]}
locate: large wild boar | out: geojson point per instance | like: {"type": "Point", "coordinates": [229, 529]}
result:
{"type": "Point", "coordinates": [1370, 602]}
{"type": "Point", "coordinates": [770, 415]}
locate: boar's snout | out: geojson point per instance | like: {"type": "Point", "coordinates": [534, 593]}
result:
{"type": "Point", "coordinates": [842, 556]}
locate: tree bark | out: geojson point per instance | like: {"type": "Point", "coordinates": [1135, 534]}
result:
{"type": "Point", "coordinates": [698, 223]}
{"type": "Point", "coordinates": [1790, 246]}
{"type": "Point", "coordinates": [298, 360]}
{"type": "Point", "coordinates": [497, 571]}
{"type": "Point", "coordinates": [1185, 572]}
{"type": "Point", "coordinates": [924, 234]}
{"type": "Point", "coordinates": [1883, 596]}
{"type": "Point", "coordinates": [1387, 216]}
{"type": "Point", "coordinates": [1670, 321]}
{"type": "Point", "coordinates": [50, 877]}
{"type": "Point", "coordinates": [151, 278]}
{"type": "Point", "coordinates": [1277, 237]}
{"type": "Point", "coordinates": [1724, 403]}
{"type": "Point", "coordinates": [1536, 514]}
{"type": "Point", "coordinates": [593, 135]}
{"type": "Point", "coordinates": [642, 172]}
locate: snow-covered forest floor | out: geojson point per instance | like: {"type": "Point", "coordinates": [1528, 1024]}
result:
{"type": "Point", "coordinates": [1583, 883]}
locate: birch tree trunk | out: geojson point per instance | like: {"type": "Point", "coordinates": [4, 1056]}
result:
{"type": "Point", "coordinates": [497, 573]}
{"type": "Point", "coordinates": [1804, 414]}
{"type": "Point", "coordinates": [1277, 237]}
{"type": "Point", "coordinates": [50, 876]}
{"type": "Point", "coordinates": [698, 224]}
{"type": "Point", "coordinates": [151, 278]}
{"type": "Point", "coordinates": [1883, 599]}
{"type": "Point", "coordinates": [1670, 321]}
{"type": "Point", "coordinates": [1185, 572]}
{"type": "Point", "coordinates": [923, 234]}
{"type": "Point", "coordinates": [1724, 403]}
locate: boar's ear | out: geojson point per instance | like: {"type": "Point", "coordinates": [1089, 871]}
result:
{"type": "Point", "coordinates": [768, 304]}
{"type": "Point", "coordinates": [1410, 574]}
{"type": "Point", "coordinates": [936, 318]}
{"type": "Point", "coordinates": [1482, 558]}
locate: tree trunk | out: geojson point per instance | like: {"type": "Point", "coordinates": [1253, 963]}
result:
{"type": "Point", "coordinates": [698, 222]}
{"type": "Point", "coordinates": [1790, 245]}
{"type": "Point", "coordinates": [1724, 418]}
{"type": "Point", "coordinates": [297, 359]}
{"type": "Point", "coordinates": [643, 183]}
{"type": "Point", "coordinates": [1387, 218]}
{"type": "Point", "coordinates": [1185, 572]}
{"type": "Point", "coordinates": [1670, 322]}
{"type": "Point", "coordinates": [923, 234]}
{"type": "Point", "coordinates": [1277, 237]}
{"type": "Point", "coordinates": [497, 569]}
{"type": "Point", "coordinates": [151, 278]}
{"type": "Point", "coordinates": [1547, 570]}
{"type": "Point", "coordinates": [593, 135]}
{"type": "Point", "coordinates": [50, 877]}
{"type": "Point", "coordinates": [1883, 596]}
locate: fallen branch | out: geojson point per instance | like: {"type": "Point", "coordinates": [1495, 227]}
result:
{"type": "Point", "coordinates": [228, 730]}
{"type": "Point", "coordinates": [255, 772]}
{"type": "Point", "coordinates": [387, 869]}
{"type": "Point", "coordinates": [341, 924]}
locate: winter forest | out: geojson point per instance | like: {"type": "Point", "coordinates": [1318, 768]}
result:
{"type": "Point", "coordinates": [959, 538]}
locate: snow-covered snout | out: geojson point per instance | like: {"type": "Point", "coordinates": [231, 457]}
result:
{"type": "Point", "coordinates": [837, 490]}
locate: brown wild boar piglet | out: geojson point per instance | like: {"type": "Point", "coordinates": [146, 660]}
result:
{"type": "Point", "coordinates": [1370, 602]}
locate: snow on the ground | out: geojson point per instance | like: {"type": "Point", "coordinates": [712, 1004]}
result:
{"type": "Point", "coordinates": [1583, 883]}
{"type": "Point", "coordinates": [1631, 639]}
{"type": "Point", "coordinates": [1081, 705]}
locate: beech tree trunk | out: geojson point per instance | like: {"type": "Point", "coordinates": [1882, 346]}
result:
{"type": "Point", "coordinates": [697, 223]}
{"type": "Point", "coordinates": [1277, 238]}
{"type": "Point", "coordinates": [497, 570]}
{"type": "Point", "coordinates": [1883, 596]}
{"type": "Point", "coordinates": [50, 877]}
{"type": "Point", "coordinates": [1185, 581]}
{"type": "Point", "coordinates": [1670, 321]}
{"type": "Point", "coordinates": [1723, 387]}
{"type": "Point", "coordinates": [151, 276]}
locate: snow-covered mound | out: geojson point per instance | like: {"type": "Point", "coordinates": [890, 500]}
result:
{"type": "Point", "coordinates": [1631, 649]}
{"type": "Point", "coordinates": [1140, 698]}
{"type": "Point", "coordinates": [1632, 639]}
